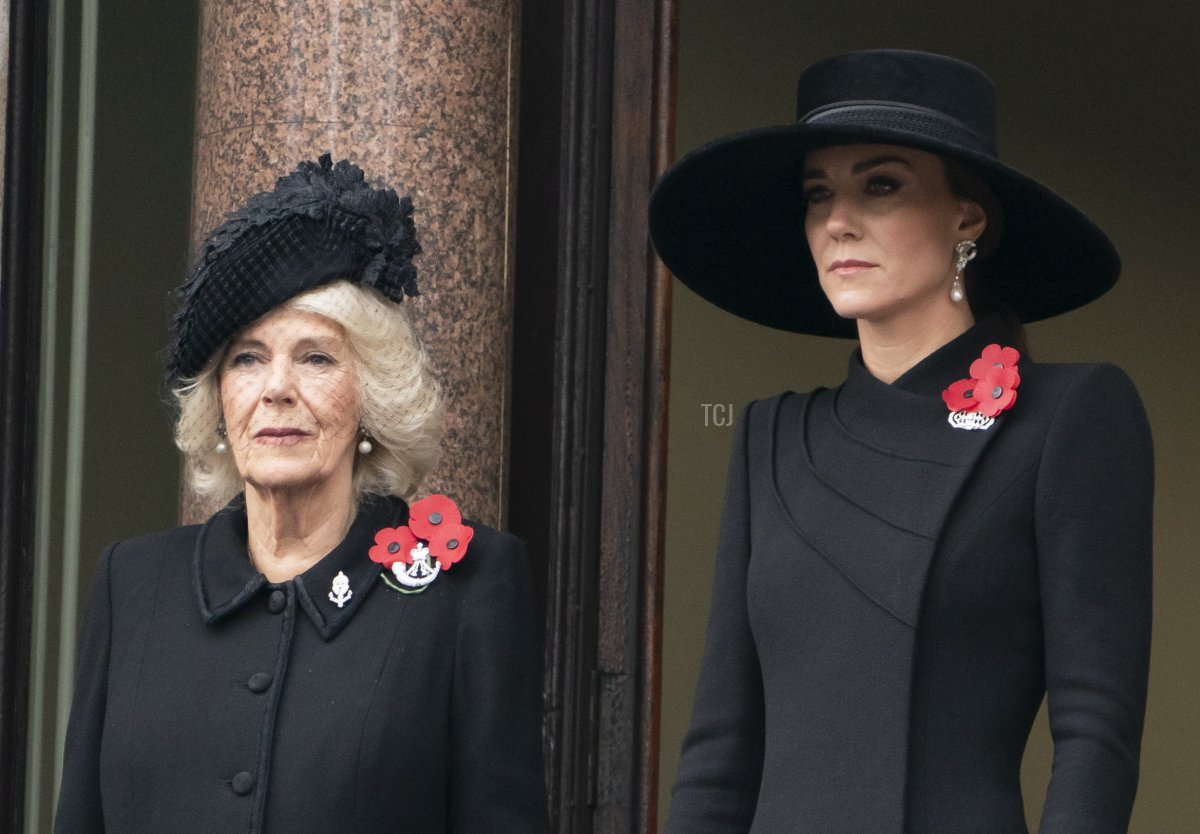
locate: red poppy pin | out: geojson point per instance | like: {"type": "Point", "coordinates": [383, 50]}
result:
{"type": "Point", "coordinates": [433, 540]}
{"type": "Point", "coordinates": [991, 388]}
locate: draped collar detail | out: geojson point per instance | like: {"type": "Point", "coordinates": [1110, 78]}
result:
{"type": "Point", "coordinates": [868, 473]}
{"type": "Point", "coordinates": [225, 579]}
{"type": "Point", "coordinates": [871, 410]}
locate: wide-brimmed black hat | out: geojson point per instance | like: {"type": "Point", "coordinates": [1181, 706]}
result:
{"type": "Point", "coordinates": [321, 223]}
{"type": "Point", "coordinates": [728, 218]}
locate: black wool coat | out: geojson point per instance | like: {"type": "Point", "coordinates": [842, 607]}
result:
{"type": "Point", "coordinates": [209, 700]}
{"type": "Point", "coordinates": [893, 596]}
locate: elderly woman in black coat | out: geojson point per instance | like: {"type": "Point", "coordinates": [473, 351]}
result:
{"type": "Point", "coordinates": [910, 561]}
{"type": "Point", "coordinates": [319, 655]}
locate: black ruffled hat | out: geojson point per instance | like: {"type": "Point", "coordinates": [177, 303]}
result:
{"type": "Point", "coordinates": [320, 223]}
{"type": "Point", "coordinates": [728, 218]}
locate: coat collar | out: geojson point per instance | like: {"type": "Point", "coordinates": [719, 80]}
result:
{"type": "Point", "coordinates": [225, 579]}
{"type": "Point", "coordinates": [868, 473]}
{"type": "Point", "coordinates": [931, 375]}
{"type": "Point", "coordinates": [871, 410]}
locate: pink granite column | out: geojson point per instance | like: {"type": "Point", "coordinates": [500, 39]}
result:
{"type": "Point", "coordinates": [419, 94]}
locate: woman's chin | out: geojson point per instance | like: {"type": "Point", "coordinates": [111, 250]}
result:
{"type": "Point", "coordinates": [855, 302]}
{"type": "Point", "coordinates": [285, 479]}
{"type": "Point", "coordinates": [883, 312]}
{"type": "Point", "coordinates": [854, 309]}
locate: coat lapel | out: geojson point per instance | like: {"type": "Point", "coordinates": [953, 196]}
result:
{"type": "Point", "coordinates": [225, 580]}
{"type": "Point", "coordinates": [877, 470]}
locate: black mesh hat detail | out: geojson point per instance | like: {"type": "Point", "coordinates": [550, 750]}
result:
{"type": "Point", "coordinates": [322, 222]}
{"type": "Point", "coordinates": [728, 218]}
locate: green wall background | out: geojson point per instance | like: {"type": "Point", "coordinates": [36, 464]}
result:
{"type": "Point", "coordinates": [119, 160]}
{"type": "Point", "coordinates": [1099, 101]}
{"type": "Point", "coordinates": [141, 196]}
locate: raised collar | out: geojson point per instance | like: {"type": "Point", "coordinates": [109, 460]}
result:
{"type": "Point", "coordinates": [225, 579]}
{"type": "Point", "coordinates": [950, 362]}
{"type": "Point", "coordinates": [872, 410]}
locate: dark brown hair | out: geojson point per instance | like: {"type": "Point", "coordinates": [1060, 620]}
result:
{"type": "Point", "coordinates": [967, 185]}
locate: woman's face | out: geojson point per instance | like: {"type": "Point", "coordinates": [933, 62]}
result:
{"type": "Point", "coordinates": [290, 401]}
{"type": "Point", "coordinates": [882, 224]}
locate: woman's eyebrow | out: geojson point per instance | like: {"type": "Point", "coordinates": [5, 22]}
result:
{"type": "Point", "coordinates": [859, 167]}
{"type": "Point", "coordinates": [876, 161]}
{"type": "Point", "coordinates": [321, 342]}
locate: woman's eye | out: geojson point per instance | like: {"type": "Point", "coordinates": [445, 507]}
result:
{"type": "Point", "coordinates": [880, 186]}
{"type": "Point", "coordinates": [244, 358]}
{"type": "Point", "coordinates": [319, 359]}
{"type": "Point", "coordinates": [816, 194]}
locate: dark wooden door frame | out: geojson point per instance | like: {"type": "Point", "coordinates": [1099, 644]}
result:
{"type": "Point", "coordinates": [20, 330]}
{"type": "Point", "coordinates": [589, 407]}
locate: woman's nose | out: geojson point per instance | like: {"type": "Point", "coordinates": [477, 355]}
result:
{"type": "Point", "coordinates": [280, 384]}
{"type": "Point", "coordinates": [841, 221]}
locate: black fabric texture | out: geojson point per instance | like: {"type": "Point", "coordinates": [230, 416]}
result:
{"type": "Point", "coordinates": [204, 705]}
{"type": "Point", "coordinates": [894, 596]}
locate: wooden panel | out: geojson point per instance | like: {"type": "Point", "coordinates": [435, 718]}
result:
{"type": "Point", "coordinates": [20, 319]}
{"type": "Point", "coordinates": [589, 395]}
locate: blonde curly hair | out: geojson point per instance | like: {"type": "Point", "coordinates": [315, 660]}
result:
{"type": "Point", "coordinates": [399, 396]}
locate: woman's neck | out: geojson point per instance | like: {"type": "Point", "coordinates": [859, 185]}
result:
{"type": "Point", "coordinates": [289, 531]}
{"type": "Point", "coordinates": [891, 348]}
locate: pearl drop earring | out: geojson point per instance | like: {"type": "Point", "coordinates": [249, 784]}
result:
{"type": "Point", "coordinates": [222, 447]}
{"type": "Point", "coordinates": [364, 445]}
{"type": "Point", "coordinates": [964, 253]}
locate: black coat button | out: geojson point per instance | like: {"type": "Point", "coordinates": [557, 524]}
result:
{"type": "Point", "coordinates": [243, 783]}
{"type": "Point", "coordinates": [259, 682]}
{"type": "Point", "coordinates": [276, 602]}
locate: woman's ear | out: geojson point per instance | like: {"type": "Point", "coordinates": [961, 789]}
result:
{"type": "Point", "coordinates": [972, 219]}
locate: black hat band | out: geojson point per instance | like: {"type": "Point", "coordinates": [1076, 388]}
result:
{"type": "Point", "coordinates": [922, 122]}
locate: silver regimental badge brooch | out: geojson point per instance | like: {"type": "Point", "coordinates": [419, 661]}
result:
{"type": "Point", "coordinates": [434, 539]}
{"type": "Point", "coordinates": [970, 420]}
{"type": "Point", "coordinates": [341, 592]}
{"type": "Point", "coordinates": [420, 572]}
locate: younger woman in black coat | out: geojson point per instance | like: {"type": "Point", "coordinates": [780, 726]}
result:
{"type": "Point", "coordinates": [910, 561]}
{"type": "Point", "coordinates": [319, 656]}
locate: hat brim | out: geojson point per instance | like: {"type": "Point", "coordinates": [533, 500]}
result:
{"type": "Point", "coordinates": [728, 221]}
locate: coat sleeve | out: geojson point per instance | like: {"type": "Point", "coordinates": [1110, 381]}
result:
{"type": "Point", "coordinates": [80, 809]}
{"type": "Point", "coordinates": [720, 767]}
{"type": "Point", "coordinates": [497, 779]}
{"type": "Point", "coordinates": [1093, 527]}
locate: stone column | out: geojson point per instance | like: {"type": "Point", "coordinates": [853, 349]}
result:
{"type": "Point", "coordinates": [419, 94]}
